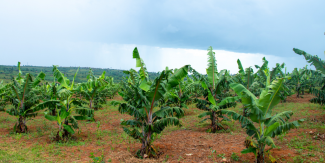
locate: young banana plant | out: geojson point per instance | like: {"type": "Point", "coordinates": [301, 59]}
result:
{"type": "Point", "coordinates": [180, 96]}
{"type": "Point", "coordinates": [142, 96]}
{"type": "Point", "coordinates": [216, 94]}
{"type": "Point", "coordinates": [246, 78]}
{"type": "Point", "coordinates": [66, 105]}
{"type": "Point", "coordinates": [261, 125]}
{"type": "Point", "coordinates": [92, 90]}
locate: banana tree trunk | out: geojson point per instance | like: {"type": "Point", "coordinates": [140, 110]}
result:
{"type": "Point", "coordinates": [96, 105]}
{"type": "Point", "coordinates": [260, 154]}
{"type": "Point", "coordinates": [91, 107]}
{"type": "Point", "coordinates": [146, 145]}
{"type": "Point", "coordinates": [65, 133]}
{"type": "Point", "coordinates": [213, 123]}
{"type": "Point", "coordinates": [245, 111]}
{"type": "Point", "coordinates": [21, 125]}
{"type": "Point", "coordinates": [53, 112]}
{"type": "Point", "coordinates": [298, 91]}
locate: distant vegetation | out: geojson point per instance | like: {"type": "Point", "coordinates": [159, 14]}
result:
{"type": "Point", "coordinates": [8, 72]}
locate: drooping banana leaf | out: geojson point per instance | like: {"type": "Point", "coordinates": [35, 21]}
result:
{"type": "Point", "coordinates": [313, 60]}
{"type": "Point", "coordinates": [177, 77]}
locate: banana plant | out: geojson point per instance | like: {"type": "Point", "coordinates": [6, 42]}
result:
{"type": "Point", "coordinates": [216, 89]}
{"type": "Point", "coordinates": [261, 125]}
{"type": "Point", "coordinates": [66, 106]}
{"type": "Point", "coordinates": [112, 87]}
{"type": "Point", "coordinates": [92, 90]}
{"type": "Point", "coordinates": [3, 92]}
{"type": "Point", "coordinates": [24, 96]}
{"type": "Point", "coordinates": [141, 96]}
{"type": "Point", "coordinates": [50, 92]}
{"type": "Point", "coordinates": [182, 95]}
{"type": "Point", "coordinates": [246, 77]}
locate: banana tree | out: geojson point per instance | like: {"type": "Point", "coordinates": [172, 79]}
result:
{"type": "Point", "coordinates": [261, 125]}
{"type": "Point", "coordinates": [216, 89]}
{"type": "Point", "coordinates": [112, 87]}
{"type": "Point", "coordinates": [24, 97]}
{"type": "Point", "coordinates": [261, 78]}
{"type": "Point", "coordinates": [50, 92]}
{"type": "Point", "coordinates": [67, 106]}
{"type": "Point", "coordinates": [182, 95]}
{"type": "Point", "coordinates": [142, 96]}
{"type": "Point", "coordinates": [4, 89]}
{"type": "Point", "coordinates": [246, 77]}
{"type": "Point", "coordinates": [92, 90]}
{"type": "Point", "coordinates": [300, 80]}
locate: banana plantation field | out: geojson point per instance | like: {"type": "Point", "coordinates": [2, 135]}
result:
{"type": "Point", "coordinates": [180, 115]}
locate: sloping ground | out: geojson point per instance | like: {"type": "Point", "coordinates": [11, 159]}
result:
{"type": "Point", "coordinates": [189, 143]}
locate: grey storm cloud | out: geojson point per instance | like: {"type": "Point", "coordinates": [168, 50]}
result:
{"type": "Point", "coordinates": [71, 32]}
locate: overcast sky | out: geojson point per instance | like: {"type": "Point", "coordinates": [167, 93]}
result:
{"type": "Point", "coordinates": [102, 33]}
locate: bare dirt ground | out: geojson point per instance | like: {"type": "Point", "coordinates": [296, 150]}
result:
{"type": "Point", "coordinates": [189, 143]}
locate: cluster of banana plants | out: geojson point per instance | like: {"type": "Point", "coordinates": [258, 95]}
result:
{"type": "Point", "coordinates": [184, 94]}
{"type": "Point", "coordinates": [27, 95]}
{"type": "Point", "coordinates": [316, 78]}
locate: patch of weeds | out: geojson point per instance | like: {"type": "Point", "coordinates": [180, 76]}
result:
{"type": "Point", "coordinates": [52, 136]}
{"type": "Point", "coordinates": [234, 156]}
{"type": "Point", "coordinates": [99, 159]}
{"type": "Point", "coordinates": [57, 152]}
{"type": "Point", "coordinates": [222, 155]}
{"type": "Point", "coordinates": [18, 136]}
{"type": "Point", "coordinates": [39, 132]}
{"type": "Point", "coordinates": [280, 137]}
{"type": "Point", "coordinates": [310, 155]}
{"type": "Point", "coordinates": [166, 157]}
{"type": "Point", "coordinates": [45, 126]}
{"type": "Point", "coordinates": [71, 142]}
{"type": "Point", "coordinates": [99, 132]}
{"type": "Point", "coordinates": [299, 159]}
{"type": "Point", "coordinates": [180, 158]}
{"type": "Point", "coordinates": [299, 143]}
{"type": "Point", "coordinates": [100, 143]}
{"type": "Point", "coordinates": [212, 154]}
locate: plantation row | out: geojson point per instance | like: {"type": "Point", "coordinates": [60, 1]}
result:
{"type": "Point", "coordinates": [156, 104]}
